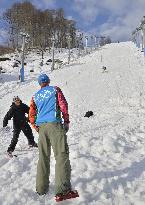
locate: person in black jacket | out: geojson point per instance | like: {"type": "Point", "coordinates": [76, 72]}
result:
{"type": "Point", "coordinates": [20, 122]}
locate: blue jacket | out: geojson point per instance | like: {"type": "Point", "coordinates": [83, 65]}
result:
{"type": "Point", "coordinates": [45, 100]}
{"type": "Point", "coordinates": [48, 105]}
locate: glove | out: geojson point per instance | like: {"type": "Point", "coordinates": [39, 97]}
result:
{"type": "Point", "coordinates": [36, 128]}
{"type": "Point", "coordinates": [66, 127]}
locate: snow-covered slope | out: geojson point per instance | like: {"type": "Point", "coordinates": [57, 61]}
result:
{"type": "Point", "coordinates": [107, 150]}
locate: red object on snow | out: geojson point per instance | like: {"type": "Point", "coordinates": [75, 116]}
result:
{"type": "Point", "coordinates": [68, 195]}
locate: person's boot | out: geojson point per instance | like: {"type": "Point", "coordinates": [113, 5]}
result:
{"type": "Point", "coordinates": [9, 154]}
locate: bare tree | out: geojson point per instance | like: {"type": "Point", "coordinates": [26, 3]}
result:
{"type": "Point", "coordinates": [40, 25]}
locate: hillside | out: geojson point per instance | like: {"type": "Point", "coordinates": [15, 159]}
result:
{"type": "Point", "coordinates": [107, 150]}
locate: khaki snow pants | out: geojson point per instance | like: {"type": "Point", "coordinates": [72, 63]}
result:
{"type": "Point", "coordinates": [53, 134]}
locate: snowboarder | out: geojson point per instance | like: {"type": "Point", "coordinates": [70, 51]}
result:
{"type": "Point", "coordinates": [20, 122]}
{"type": "Point", "coordinates": [104, 68]}
{"type": "Point", "coordinates": [46, 108]}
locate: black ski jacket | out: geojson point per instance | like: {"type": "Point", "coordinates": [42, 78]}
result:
{"type": "Point", "coordinates": [18, 115]}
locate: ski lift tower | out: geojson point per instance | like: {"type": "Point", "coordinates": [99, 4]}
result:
{"type": "Point", "coordinates": [143, 32]}
{"type": "Point", "coordinates": [138, 36]}
{"type": "Point", "coordinates": [102, 38]}
{"type": "Point", "coordinates": [53, 42]}
{"type": "Point", "coordinates": [95, 41]}
{"type": "Point", "coordinates": [98, 44]}
{"type": "Point", "coordinates": [69, 45]}
{"type": "Point", "coordinates": [86, 37]}
{"type": "Point", "coordinates": [79, 37]}
{"type": "Point", "coordinates": [141, 37]}
{"type": "Point", "coordinates": [92, 37]}
{"type": "Point", "coordinates": [134, 37]}
{"type": "Point", "coordinates": [25, 38]}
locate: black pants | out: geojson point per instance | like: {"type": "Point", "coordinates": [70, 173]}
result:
{"type": "Point", "coordinates": [27, 132]}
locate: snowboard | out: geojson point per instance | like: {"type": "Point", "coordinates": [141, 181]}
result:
{"type": "Point", "coordinates": [69, 195]}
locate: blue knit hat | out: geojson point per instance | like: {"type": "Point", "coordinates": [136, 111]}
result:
{"type": "Point", "coordinates": [43, 78]}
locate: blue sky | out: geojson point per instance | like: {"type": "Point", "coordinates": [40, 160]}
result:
{"type": "Point", "coordinates": [116, 18]}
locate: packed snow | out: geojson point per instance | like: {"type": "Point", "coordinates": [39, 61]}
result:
{"type": "Point", "coordinates": [107, 150]}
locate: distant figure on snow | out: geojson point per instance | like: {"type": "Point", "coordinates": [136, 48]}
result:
{"type": "Point", "coordinates": [17, 111]}
{"type": "Point", "coordinates": [104, 69]}
{"type": "Point", "coordinates": [49, 116]}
